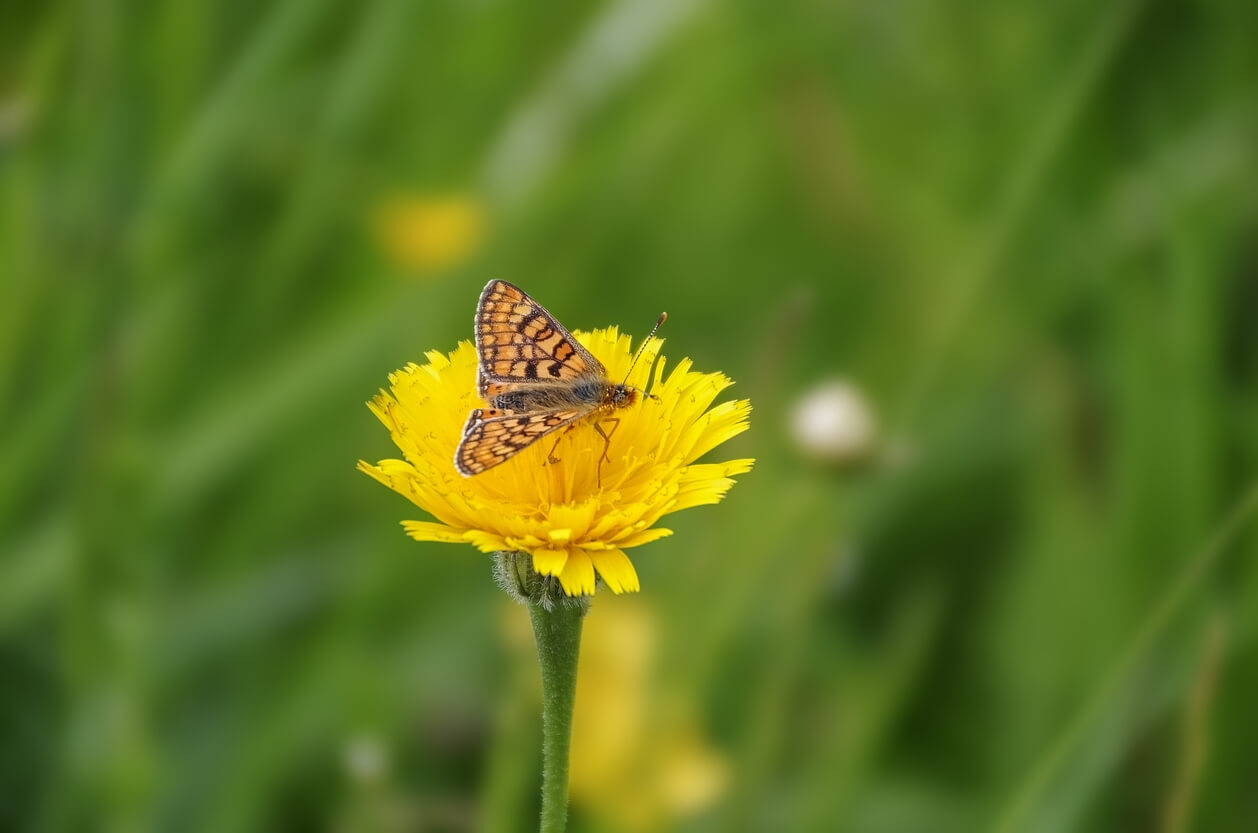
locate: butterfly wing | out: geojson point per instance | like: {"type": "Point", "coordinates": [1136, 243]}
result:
{"type": "Point", "coordinates": [518, 343]}
{"type": "Point", "coordinates": [492, 436]}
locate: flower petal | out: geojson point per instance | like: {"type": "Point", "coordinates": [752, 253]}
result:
{"type": "Point", "coordinates": [550, 561]}
{"type": "Point", "coordinates": [486, 541]}
{"type": "Point", "coordinates": [577, 577]}
{"type": "Point", "coordinates": [616, 570]}
{"type": "Point", "coordinates": [740, 466]}
{"type": "Point", "coordinates": [645, 536]}
{"type": "Point", "coordinates": [707, 483]}
{"type": "Point", "coordinates": [725, 421]}
{"type": "Point", "coordinates": [429, 531]}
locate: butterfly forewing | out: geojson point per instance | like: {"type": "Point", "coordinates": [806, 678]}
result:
{"type": "Point", "coordinates": [535, 377]}
{"type": "Point", "coordinates": [491, 437]}
{"type": "Point", "coordinates": [518, 342]}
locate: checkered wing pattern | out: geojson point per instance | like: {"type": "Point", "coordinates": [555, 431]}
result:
{"type": "Point", "coordinates": [492, 437]}
{"type": "Point", "coordinates": [520, 343]}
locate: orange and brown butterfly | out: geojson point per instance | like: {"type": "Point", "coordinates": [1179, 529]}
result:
{"type": "Point", "coordinates": [536, 379]}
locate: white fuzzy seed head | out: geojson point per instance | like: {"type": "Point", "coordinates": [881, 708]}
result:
{"type": "Point", "coordinates": [834, 423]}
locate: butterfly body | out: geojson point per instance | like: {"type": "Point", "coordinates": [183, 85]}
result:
{"type": "Point", "coordinates": [543, 397]}
{"type": "Point", "coordinates": [535, 377]}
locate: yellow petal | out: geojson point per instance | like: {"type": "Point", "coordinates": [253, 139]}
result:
{"type": "Point", "coordinates": [550, 562]}
{"type": "Point", "coordinates": [645, 536]}
{"type": "Point", "coordinates": [617, 570]}
{"type": "Point", "coordinates": [375, 473]}
{"type": "Point", "coordinates": [739, 466]}
{"type": "Point", "coordinates": [486, 541]}
{"type": "Point", "coordinates": [428, 531]}
{"type": "Point", "coordinates": [702, 493]}
{"type": "Point", "coordinates": [707, 483]}
{"type": "Point", "coordinates": [725, 421]}
{"type": "Point", "coordinates": [577, 577]}
{"type": "Point", "coordinates": [572, 519]}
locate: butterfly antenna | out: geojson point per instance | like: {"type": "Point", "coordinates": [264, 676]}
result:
{"type": "Point", "coordinates": [663, 317]}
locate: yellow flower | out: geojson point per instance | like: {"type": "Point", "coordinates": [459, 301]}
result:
{"type": "Point", "coordinates": [430, 233]}
{"type": "Point", "coordinates": [639, 758]}
{"type": "Point", "coordinates": [572, 526]}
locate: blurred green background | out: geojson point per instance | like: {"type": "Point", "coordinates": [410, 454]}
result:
{"type": "Point", "coordinates": [1004, 580]}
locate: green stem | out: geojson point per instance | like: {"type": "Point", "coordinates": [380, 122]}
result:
{"type": "Point", "coordinates": [558, 633]}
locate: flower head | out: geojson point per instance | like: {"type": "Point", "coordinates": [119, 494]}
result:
{"type": "Point", "coordinates": [573, 523]}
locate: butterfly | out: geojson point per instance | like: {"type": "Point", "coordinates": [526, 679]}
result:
{"type": "Point", "coordinates": [537, 379]}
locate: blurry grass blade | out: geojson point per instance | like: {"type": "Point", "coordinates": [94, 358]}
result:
{"type": "Point", "coordinates": [876, 688]}
{"type": "Point", "coordinates": [616, 44]}
{"type": "Point", "coordinates": [33, 570]}
{"type": "Point", "coordinates": [1045, 141]}
{"type": "Point", "coordinates": [1178, 814]}
{"type": "Point", "coordinates": [322, 192]}
{"type": "Point", "coordinates": [1210, 155]}
{"type": "Point", "coordinates": [232, 105]}
{"type": "Point", "coordinates": [37, 434]}
{"type": "Point", "coordinates": [230, 425]}
{"type": "Point", "coordinates": [1024, 799]}
{"type": "Point", "coordinates": [217, 621]}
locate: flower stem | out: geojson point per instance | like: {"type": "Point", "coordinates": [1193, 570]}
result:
{"type": "Point", "coordinates": [558, 633]}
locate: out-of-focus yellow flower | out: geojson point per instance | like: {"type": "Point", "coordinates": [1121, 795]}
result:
{"type": "Point", "coordinates": [571, 525]}
{"type": "Point", "coordinates": [639, 761]}
{"type": "Point", "coordinates": [639, 758]}
{"type": "Point", "coordinates": [426, 234]}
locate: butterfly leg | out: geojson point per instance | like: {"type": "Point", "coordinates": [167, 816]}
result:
{"type": "Point", "coordinates": [607, 442]}
{"type": "Point", "coordinates": [550, 456]}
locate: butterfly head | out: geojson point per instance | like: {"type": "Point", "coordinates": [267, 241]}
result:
{"type": "Point", "coordinates": [622, 395]}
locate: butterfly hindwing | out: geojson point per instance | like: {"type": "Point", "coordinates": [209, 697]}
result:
{"type": "Point", "coordinates": [519, 342]}
{"type": "Point", "coordinates": [493, 436]}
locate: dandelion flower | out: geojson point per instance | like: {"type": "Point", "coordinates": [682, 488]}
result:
{"type": "Point", "coordinates": [573, 524]}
